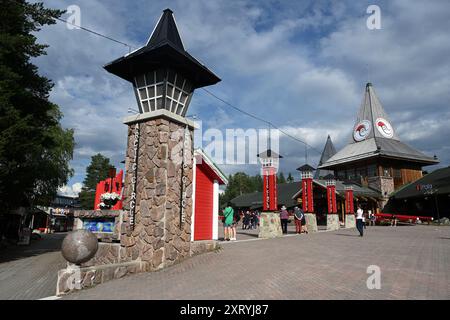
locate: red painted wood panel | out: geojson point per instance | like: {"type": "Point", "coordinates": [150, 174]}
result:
{"type": "Point", "coordinates": [203, 205]}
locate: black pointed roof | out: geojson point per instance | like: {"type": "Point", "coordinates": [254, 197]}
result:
{"type": "Point", "coordinates": [166, 32]}
{"type": "Point", "coordinates": [306, 167]}
{"type": "Point", "coordinates": [329, 176]}
{"type": "Point", "coordinates": [328, 151]}
{"type": "Point", "coordinates": [269, 154]}
{"type": "Point", "coordinates": [163, 49]}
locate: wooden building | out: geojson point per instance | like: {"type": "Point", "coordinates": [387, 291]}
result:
{"type": "Point", "coordinates": [375, 157]}
{"type": "Point", "coordinates": [205, 210]}
{"type": "Point", "coordinates": [428, 196]}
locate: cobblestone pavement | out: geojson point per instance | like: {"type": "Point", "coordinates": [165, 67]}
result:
{"type": "Point", "coordinates": [30, 272]}
{"type": "Point", "coordinates": [414, 263]}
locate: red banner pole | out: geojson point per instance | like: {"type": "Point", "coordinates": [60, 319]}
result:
{"type": "Point", "coordinates": [274, 193]}
{"type": "Point", "coordinates": [333, 199]}
{"type": "Point", "coordinates": [352, 209]}
{"type": "Point", "coordinates": [310, 195]}
{"type": "Point", "coordinates": [304, 196]}
{"type": "Point", "coordinates": [329, 200]}
{"type": "Point", "coordinates": [265, 191]}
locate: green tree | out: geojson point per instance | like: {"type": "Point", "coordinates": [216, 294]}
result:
{"type": "Point", "coordinates": [281, 178]}
{"type": "Point", "coordinates": [257, 183]}
{"type": "Point", "coordinates": [96, 171]}
{"type": "Point", "coordinates": [290, 178]}
{"type": "Point", "coordinates": [238, 184]}
{"type": "Point", "coordinates": [35, 150]}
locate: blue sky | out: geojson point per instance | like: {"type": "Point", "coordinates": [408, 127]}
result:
{"type": "Point", "coordinates": [300, 64]}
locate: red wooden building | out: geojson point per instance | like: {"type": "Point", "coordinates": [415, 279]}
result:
{"type": "Point", "coordinates": [205, 209]}
{"type": "Point", "coordinates": [112, 184]}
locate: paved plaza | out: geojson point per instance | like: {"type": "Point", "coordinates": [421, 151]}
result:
{"type": "Point", "coordinates": [414, 263]}
{"type": "Point", "coordinates": [30, 272]}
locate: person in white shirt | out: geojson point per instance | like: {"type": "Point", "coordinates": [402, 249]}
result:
{"type": "Point", "coordinates": [359, 220]}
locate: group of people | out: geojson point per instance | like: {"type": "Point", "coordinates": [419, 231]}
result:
{"type": "Point", "coordinates": [231, 219]}
{"type": "Point", "coordinates": [250, 220]}
{"type": "Point", "coordinates": [299, 219]}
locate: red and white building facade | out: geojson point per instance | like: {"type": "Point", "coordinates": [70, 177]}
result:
{"type": "Point", "coordinates": [207, 178]}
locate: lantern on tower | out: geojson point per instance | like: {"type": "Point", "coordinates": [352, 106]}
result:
{"type": "Point", "coordinates": [269, 160]}
{"type": "Point", "coordinates": [306, 172]}
{"type": "Point", "coordinates": [163, 74]}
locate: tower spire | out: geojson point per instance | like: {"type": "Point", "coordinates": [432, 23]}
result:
{"type": "Point", "coordinates": [372, 121]}
{"type": "Point", "coordinates": [166, 31]}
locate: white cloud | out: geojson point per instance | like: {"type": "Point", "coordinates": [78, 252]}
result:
{"type": "Point", "coordinates": [71, 191]}
{"type": "Point", "coordinates": [301, 65]}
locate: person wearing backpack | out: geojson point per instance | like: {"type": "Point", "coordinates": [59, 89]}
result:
{"type": "Point", "coordinates": [298, 217]}
{"type": "Point", "coordinates": [228, 214]}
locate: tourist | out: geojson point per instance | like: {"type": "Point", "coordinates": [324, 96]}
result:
{"type": "Point", "coordinates": [236, 218]}
{"type": "Point", "coordinates": [372, 218]}
{"type": "Point", "coordinates": [394, 221]}
{"type": "Point", "coordinates": [246, 220]}
{"type": "Point", "coordinates": [364, 220]}
{"type": "Point", "coordinates": [298, 217]}
{"type": "Point", "coordinates": [251, 218]}
{"type": "Point", "coordinates": [284, 217]}
{"type": "Point", "coordinates": [359, 220]}
{"type": "Point", "coordinates": [228, 214]}
{"type": "Point", "coordinates": [255, 220]}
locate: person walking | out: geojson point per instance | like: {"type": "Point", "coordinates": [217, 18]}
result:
{"type": "Point", "coordinates": [284, 217]}
{"type": "Point", "coordinates": [298, 217]}
{"type": "Point", "coordinates": [359, 221]}
{"type": "Point", "coordinates": [228, 214]}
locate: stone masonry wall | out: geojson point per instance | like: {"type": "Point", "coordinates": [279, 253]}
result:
{"type": "Point", "coordinates": [157, 238]}
{"type": "Point", "coordinates": [385, 185]}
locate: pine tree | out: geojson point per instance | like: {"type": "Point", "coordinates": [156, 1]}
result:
{"type": "Point", "coordinates": [290, 178]}
{"type": "Point", "coordinates": [281, 178]}
{"type": "Point", "coordinates": [96, 171]}
{"type": "Point", "coordinates": [35, 150]}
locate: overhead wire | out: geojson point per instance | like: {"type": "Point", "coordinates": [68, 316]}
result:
{"type": "Point", "coordinates": [204, 89]}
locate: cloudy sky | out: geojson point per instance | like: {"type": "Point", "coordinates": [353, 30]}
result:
{"type": "Point", "coordinates": [301, 64]}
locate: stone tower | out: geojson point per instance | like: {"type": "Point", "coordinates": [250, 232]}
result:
{"type": "Point", "coordinates": [159, 157]}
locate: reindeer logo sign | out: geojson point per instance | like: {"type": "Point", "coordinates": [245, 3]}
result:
{"type": "Point", "coordinates": [384, 127]}
{"type": "Point", "coordinates": [362, 130]}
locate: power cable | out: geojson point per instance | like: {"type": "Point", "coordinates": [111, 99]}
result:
{"type": "Point", "coordinates": [206, 90]}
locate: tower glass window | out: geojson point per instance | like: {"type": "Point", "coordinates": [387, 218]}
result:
{"type": "Point", "coordinates": [163, 89]}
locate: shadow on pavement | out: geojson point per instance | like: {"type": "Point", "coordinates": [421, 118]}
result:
{"type": "Point", "coordinates": [347, 235]}
{"type": "Point", "coordinates": [48, 243]}
{"type": "Point", "coordinates": [254, 235]}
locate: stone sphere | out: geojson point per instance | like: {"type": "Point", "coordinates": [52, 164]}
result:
{"type": "Point", "coordinates": [79, 246]}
